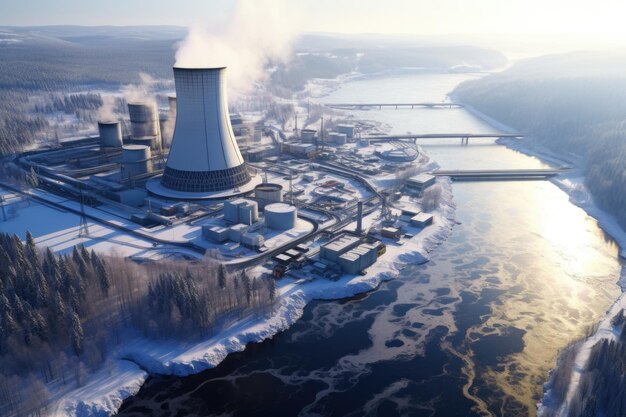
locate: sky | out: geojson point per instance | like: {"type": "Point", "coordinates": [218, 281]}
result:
{"type": "Point", "coordinates": [555, 25]}
{"type": "Point", "coordinates": [435, 17]}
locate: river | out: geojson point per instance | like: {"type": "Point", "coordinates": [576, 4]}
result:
{"type": "Point", "coordinates": [473, 332]}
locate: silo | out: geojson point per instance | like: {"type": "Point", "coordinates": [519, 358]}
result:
{"type": "Point", "coordinates": [136, 160]}
{"type": "Point", "coordinates": [280, 216]}
{"type": "Point", "coordinates": [144, 124]}
{"type": "Point", "coordinates": [268, 193]}
{"type": "Point", "coordinates": [110, 133]}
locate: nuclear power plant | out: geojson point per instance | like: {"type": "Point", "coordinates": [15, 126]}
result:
{"type": "Point", "coordinates": [204, 158]}
{"type": "Point", "coordinates": [219, 181]}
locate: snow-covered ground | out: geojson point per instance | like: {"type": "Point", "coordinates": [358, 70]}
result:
{"type": "Point", "coordinates": [183, 359]}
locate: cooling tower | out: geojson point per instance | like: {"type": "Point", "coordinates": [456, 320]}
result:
{"type": "Point", "coordinates": [144, 124]}
{"type": "Point", "coordinates": [204, 156]}
{"type": "Point", "coordinates": [110, 134]}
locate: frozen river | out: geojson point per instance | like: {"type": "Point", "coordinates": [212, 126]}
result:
{"type": "Point", "coordinates": [472, 332]}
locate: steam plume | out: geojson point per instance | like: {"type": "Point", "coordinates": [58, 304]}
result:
{"type": "Point", "coordinates": [258, 33]}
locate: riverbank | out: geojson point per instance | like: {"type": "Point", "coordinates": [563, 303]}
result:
{"type": "Point", "coordinates": [131, 365]}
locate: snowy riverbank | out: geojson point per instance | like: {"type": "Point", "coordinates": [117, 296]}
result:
{"type": "Point", "coordinates": [105, 391]}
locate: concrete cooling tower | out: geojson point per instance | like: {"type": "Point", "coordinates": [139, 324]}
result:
{"type": "Point", "coordinates": [204, 157]}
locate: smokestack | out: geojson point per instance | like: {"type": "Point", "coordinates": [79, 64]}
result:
{"type": "Point", "coordinates": [204, 156]}
{"type": "Point", "coordinates": [359, 218]}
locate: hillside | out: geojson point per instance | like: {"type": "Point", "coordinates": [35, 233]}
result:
{"type": "Point", "coordinates": [572, 104]}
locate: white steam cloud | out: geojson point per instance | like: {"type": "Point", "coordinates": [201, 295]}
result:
{"type": "Point", "coordinates": [260, 31]}
{"type": "Point", "coordinates": [106, 112]}
{"type": "Point", "coordinates": [142, 92]}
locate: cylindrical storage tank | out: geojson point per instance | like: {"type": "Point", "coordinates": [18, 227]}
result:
{"type": "Point", "coordinates": [280, 216]}
{"type": "Point", "coordinates": [110, 133]}
{"type": "Point", "coordinates": [268, 193]}
{"type": "Point", "coordinates": [136, 160]}
{"type": "Point", "coordinates": [144, 124]}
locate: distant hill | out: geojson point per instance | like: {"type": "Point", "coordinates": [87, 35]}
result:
{"type": "Point", "coordinates": [575, 105]}
{"type": "Point", "coordinates": [64, 57]}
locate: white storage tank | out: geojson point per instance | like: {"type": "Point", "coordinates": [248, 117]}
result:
{"type": "Point", "coordinates": [268, 193]}
{"type": "Point", "coordinates": [110, 134]}
{"type": "Point", "coordinates": [136, 160]}
{"type": "Point", "coordinates": [280, 216]}
{"type": "Point", "coordinates": [346, 129]}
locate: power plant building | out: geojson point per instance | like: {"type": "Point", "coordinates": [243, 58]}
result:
{"type": "Point", "coordinates": [347, 130]}
{"type": "Point", "coordinates": [241, 210]}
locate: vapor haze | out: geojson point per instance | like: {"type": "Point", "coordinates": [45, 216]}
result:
{"type": "Point", "coordinates": [142, 92]}
{"type": "Point", "coordinates": [260, 31]}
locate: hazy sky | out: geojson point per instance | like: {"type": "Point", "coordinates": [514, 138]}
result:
{"type": "Point", "coordinates": [599, 19]}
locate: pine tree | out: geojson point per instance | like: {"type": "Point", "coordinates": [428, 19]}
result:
{"type": "Point", "coordinates": [79, 261]}
{"type": "Point", "coordinates": [245, 280]}
{"type": "Point", "coordinates": [272, 288]}
{"type": "Point", "coordinates": [76, 332]}
{"type": "Point", "coordinates": [221, 276]}
{"type": "Point", "coordinates": [103, 276]}
{"type": "Point", "coordinates": [32, 252]}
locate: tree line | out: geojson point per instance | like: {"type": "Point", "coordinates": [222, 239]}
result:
{"type": "Point", "coordinates": [61, 315]}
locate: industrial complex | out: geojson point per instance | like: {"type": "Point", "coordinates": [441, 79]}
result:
{"type": "Point", "coordinates": [307, 203]}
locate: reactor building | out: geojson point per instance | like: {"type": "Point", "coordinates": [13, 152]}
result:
{"type": "Point", "coordinates": [204, 159]}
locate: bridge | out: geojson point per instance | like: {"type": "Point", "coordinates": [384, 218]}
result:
{"type": "Point", "coordinates": [361, 106]}
{"type": "Point", "coordinates": [465, 137]}
{"type": "Point", "coordinates": [500, 174]}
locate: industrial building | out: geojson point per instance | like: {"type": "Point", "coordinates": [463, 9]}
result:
{"type": "Point", "coordinates": [305, 150]}
{"type": "Point", "coordinates": [422, 220]}
{"type": "Point", "coordinates": [308, 135]}
{"type": "Point", "coordinates": [204, 157]}
{"type": "Point", "coordinates": [350, 253]}
{"type": "Point", "coordinates": [346, 129]}
{"type": "Point", "coordinates": [337, 138]}
{"type": "Point", "coordinates": [241, 210]}
{"type": "Point", "coordinates": [334, 249]}
{"type": "Point", "coordinates": [419, 183]}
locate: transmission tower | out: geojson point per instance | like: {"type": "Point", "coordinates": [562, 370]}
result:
{"type": "Point", "coordinates": [83, 228]}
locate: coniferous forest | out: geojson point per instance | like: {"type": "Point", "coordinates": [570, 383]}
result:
{"type": "Point", "coordinates": [61, 316]}
{"type": "Point", "coordinates": [573, 105]}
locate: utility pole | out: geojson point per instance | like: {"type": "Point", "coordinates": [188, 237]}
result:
{"type": "Point", "coordinates": [291, 186]}
{"type": "Point", "coordinates": [322, 132]}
